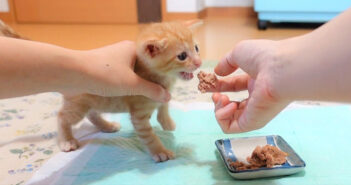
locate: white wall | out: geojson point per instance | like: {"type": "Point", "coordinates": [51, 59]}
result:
{"type": "Point", "coordinates": [228, 3]}
{"type": "Point", "coordinates": [185, 5]}
{"type": "Point", "coordinates": [198, 5]}
{"type": "Point", "coordinates": [4, 6]}
{"type": "Point", "coordinates": [201, 4]}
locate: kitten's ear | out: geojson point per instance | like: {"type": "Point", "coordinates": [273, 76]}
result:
{"type": "Point", "coordinates": [154, 47]}
{"type": "Point", "coordinates": [192, 24]}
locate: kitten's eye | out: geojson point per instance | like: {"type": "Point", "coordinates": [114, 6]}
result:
{"type": "Point", "coordinates": [182, 56]}
{"type": "Point", "coordinates": [196, 48]}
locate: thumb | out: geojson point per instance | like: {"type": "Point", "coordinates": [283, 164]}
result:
{"type": "Point", "coordinates": [151, 90]}
{"type": "Point", "coordinates": [246, 55]}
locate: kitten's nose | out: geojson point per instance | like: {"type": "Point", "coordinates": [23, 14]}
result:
{"type": "Point", "coordinates": [197, 62]}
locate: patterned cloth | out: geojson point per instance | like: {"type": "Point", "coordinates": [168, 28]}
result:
{"type": "Point", "coordinates": [28, 130]}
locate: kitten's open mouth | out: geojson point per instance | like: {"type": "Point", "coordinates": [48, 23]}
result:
{"type": "Point", "coordinates": [186, 75]}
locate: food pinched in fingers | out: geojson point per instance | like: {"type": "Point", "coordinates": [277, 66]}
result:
{"type": "Point", "coordinates": [207, 81]}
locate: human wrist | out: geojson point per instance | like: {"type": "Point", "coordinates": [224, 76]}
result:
{"type": "Point", "coordinates": [283, 70]}
{"type": "Point", "coordinates": [73, 72]}
{"type": "Point", "coordinates": [89, 73]}
{"type": "Point", "coordinates": [298, 70]}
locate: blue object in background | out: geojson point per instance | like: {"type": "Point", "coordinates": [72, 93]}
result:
{"type": "Point", "coordinates": [310, 11]}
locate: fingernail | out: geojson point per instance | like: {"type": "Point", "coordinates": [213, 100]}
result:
{"type": "Point", "coordinates": [219, 103]}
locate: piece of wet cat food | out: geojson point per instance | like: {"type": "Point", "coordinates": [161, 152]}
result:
{"type": "Point", "coordinates": [266, 156]}
{"type": "Point", "coordinates": [207, 81]}
{"type": "Point", "coordinates": [239, 166]}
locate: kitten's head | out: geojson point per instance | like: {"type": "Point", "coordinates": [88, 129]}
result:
{"type": "Point", "coordinates": [169, 49]}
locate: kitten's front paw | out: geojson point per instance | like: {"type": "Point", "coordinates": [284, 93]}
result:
{"type": "Point", "coordinates": [68, 145]}
{"type": "Point", "coordinates": [163, 155]}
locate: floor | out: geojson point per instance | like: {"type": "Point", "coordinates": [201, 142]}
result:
{"type": "Point", "coordinates": [215, 37]}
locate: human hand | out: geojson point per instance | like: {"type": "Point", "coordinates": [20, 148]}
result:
{"type": "Point", "coordinates": [260, 59]}
{"type": "Point", "coordinates": [108, 71]}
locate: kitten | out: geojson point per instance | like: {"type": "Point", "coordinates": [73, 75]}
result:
{"type": "Point", "coordinates": [165, 52]}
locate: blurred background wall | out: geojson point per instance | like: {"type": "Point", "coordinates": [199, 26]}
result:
{"type": "Point", "coordinates": [111, 11]}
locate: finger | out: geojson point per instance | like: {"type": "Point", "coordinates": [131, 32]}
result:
{"type": "Point", "coordinates": [242, 104]}
{"type": "Point", "coordinates": [215, 97]}
{"type": "Point", "coordinates": [245, 55]}
{"type": "Point", "coordinates": [226, 112]}
{"type": "Point", "coordinates": [237, 114]}
{"type": "Point", "coordinates": [151, 90]}
{"type": "Point", "coordinates": [248, 120]}
{"type": "Point", "coordinates": [218, 104]}
{"type": "Point", "coordinates": [226, 66]}
{"type": "Point", "coordinates": [231, 84]}
{"type": "Point", "coordinates": [231, 125]}
{"type": "Point", "coordinates": [216, 100]}
{"type": "Point", "coordinates": [222, 101]}
{"type": "Point", "coordinates": [224, 116]}
{"type": "Point", "coordinates": [260, 109]}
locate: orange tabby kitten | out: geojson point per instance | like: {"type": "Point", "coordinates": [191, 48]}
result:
{"type": "Point", "coordinates": [165, 51]}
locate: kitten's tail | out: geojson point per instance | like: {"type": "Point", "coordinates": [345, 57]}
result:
{"type": "Point", "coordinates": [6, 31]}
{"type": "Point", "coordinates": [194, 23]}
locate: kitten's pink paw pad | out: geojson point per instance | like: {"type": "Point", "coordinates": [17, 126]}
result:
{"type": "Point", "coordinates": [69, 145]}
{"type": "Point", "coordinates": [111, 127]}
{"type": "Point", "coordinates": [163, 156]}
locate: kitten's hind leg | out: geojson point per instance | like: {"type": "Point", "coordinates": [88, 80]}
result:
{"type": "Point", "coordinates": [165, 119]}
{"type": "Point", "coordinates": [144, 130]}
{"type": "Point", "coordinates": [103, 125]}
{"type": "Point", "coordinates": [68, 116]}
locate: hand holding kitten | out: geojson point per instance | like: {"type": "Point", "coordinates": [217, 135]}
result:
{"type": "Point", "coordinates": [110, 72]}
{"type": "Point", "coordinates": [42, 67]}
